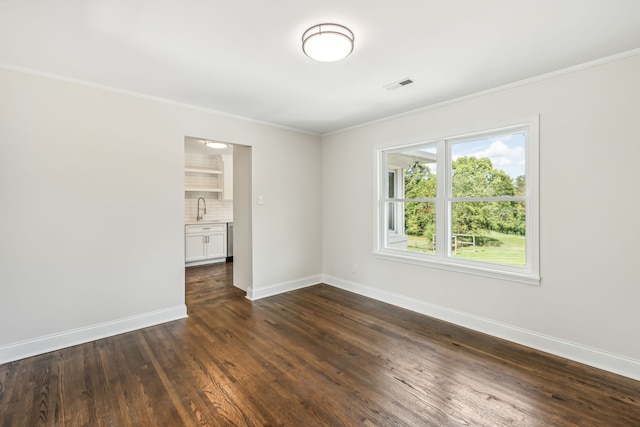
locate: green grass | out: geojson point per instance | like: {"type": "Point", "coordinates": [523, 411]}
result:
{"type": "Point", "coordinates": [500, 248]}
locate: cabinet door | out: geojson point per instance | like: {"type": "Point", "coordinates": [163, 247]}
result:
{"type": "Point", "coordinates": [216, 244]}
{"type": "Point", "coordinates": [195, 247]}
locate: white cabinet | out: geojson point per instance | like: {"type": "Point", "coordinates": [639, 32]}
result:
{"type": "Point", "coordinates": [195, 247]}
{"type": "Point", "coordinates": [205, 243]}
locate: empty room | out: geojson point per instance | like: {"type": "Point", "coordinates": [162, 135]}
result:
{"type": "Point", "coordinates": [348, 213]}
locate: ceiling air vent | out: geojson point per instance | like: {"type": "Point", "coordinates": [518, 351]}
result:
{"type": "Point", "coordinates": [398, 84]}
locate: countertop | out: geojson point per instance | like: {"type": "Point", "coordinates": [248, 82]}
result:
{"type": "Point", "coordinates": [207, 221]}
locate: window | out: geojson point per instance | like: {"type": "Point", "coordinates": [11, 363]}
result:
{"type": "Point", "coordinates": [467, 203]}
{"type": "Point", "coordinates": [391, 215]}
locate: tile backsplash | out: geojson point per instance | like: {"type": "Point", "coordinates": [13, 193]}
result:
{"type": "Point", "coordinates": [217, 209]}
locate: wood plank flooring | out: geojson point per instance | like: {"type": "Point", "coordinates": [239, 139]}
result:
{"type": "Point", "coordinates": [314, 357]}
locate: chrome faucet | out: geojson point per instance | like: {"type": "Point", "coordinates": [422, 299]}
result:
{"type": "Point", "coordinates": [199, 217]}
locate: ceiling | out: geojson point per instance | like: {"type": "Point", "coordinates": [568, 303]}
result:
{"type": "Point", "coordinates": [196, 146]}
{"type": "Point", "coordinates": [244, 57]}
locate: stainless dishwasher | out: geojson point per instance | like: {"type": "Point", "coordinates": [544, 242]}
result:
{"type": "Point", "coordinates": [229, 241]}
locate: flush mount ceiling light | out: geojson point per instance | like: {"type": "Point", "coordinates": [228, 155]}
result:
{"type": "Point", "coordinates": [213, 144]}
{"type": "Point", "coordinates": [327, 42]}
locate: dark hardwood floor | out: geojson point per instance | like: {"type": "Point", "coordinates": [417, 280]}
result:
{"type": "Point", "coordinates": [314, 357]}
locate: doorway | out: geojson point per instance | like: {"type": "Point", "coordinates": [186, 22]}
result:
{"type": "Point", "coordinates": [218, 181]}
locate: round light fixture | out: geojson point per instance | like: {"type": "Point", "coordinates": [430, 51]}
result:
{"type": "Point", "coordinates": [327, 42]}
{"type": "Point", "coordinates": [213, 144]}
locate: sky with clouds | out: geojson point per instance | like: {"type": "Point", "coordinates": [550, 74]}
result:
{"type": "Point", "coordinates": [506, 152]}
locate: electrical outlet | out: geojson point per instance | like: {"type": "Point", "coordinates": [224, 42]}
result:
{"type": "Point", "coordinates": [354, 268]}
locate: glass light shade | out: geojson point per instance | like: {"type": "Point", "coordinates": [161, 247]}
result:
{"type": "Point", "coordinates": [218, 145]}
{"type": "Point", "coordinates": [327, 42]}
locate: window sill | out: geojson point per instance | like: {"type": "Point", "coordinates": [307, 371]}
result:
{"type": "Point", "coordinates": [527, 279]}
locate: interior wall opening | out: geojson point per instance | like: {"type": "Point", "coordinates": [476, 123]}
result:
{"type": "Point", "coordinates": [217, 208]}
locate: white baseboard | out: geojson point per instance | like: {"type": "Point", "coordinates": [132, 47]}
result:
{"type": "Point", "coordinates": [45, 344]}
{"type": "Point", "coordinates": [589, 356]}
{"type": "Point", "coordinates": [254, 294]}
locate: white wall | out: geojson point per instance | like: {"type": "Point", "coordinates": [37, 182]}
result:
{"type": "Point", "coordinates": [587, 305]}
{"type": "Point", "coordinates": [242, 231]}
{"type": "Point", "coordinates": [287, 227]}
{"type": "Point", "coordinates": [92, 209]}
{"type": "Point", "coordinates": [218, 209]}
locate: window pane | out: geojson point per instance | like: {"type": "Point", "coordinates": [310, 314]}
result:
{"type": "Point", "coordinates": [419, 167]}
{"type": "Point", "coordinates": [489, 167]}
{"type": "Point", "coordinates": [395, 238]}
{"type": "Point", "coordinates": [420, 226]}
{"type": "Point", "coordinates": [489, 231]}
{"type": "Point", "coordinates": [391, 185]}
{"type": "Point", "coordinates": [391, 193]}
{"type": "Point", "coordinates": [417, 233]}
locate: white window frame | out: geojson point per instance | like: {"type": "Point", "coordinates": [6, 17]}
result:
{"type": "Point", "coordinates": [398, 213]}
{"type": "Point", "coordinates": [528, 274]}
